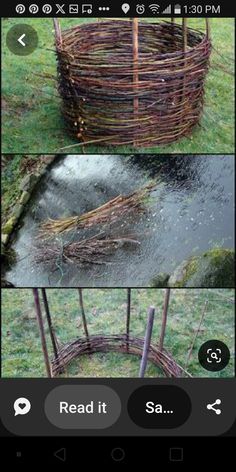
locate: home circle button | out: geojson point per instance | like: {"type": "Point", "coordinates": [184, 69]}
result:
{"type": "Point", "coordinates": [118, 454]}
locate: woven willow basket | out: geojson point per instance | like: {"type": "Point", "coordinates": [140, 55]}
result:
{"type": "Point", "coordinates": [125, 82]}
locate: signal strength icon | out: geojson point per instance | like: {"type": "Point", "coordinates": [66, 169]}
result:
{"type": "Point", "coordinates": [167, 11]}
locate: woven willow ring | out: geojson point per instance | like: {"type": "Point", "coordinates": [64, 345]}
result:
{"type": "Point", "coordinates": [115, 343]}
{"type": "Point", "coordinates": [127, 82]}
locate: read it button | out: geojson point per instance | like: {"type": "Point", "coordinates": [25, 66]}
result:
{"type": "Point", "coordinates": [159, 406]}
{"type": "Point", "coordinates": [82, 407]}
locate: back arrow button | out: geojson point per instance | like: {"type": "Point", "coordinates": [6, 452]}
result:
{"type": "Point", "coordinates": [20, 40]}
{"type": "Point", "coordinates": [61, 454]}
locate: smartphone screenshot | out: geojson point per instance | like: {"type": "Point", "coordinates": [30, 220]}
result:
{"type": "Point", "coordinates": [117, 233]}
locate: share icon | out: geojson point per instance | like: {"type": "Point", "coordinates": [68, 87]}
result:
{"type": "Point", "coordinates": [216, 410]}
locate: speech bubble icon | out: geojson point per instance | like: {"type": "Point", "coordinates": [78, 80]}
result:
{"type": "Point", "coordinates": [22, 406]}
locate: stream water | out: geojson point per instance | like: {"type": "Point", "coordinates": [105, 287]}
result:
{"type": "Point", "coordinates": [190, 211]}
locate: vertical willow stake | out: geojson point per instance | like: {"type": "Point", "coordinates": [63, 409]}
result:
{"type": "Point", "coordinates": [49, 320]}
{"type": "Point", "coordinates": [57, 30]}
{"type": "Point", "coordinates": [164, 318]}
{"type": "Point", "coordinates": [83, 316]}
{"type": "Point", "coordinates": [173, 32]}
{"type": "Point", "coordinates": [208, 28]}
{"type": "Point", "coordinates": [185, 45]}
{"type": "Point", "coordinates": [147, 341]}
{"type": "Point", "coordinates": [135, 74]}
{"type": "Point", "coordinates": [196, 333]}
{"type": "Point", "coordinates": [128, 318]}
{"type": "Point", "coordinates": [185, 35]}
{"type": "Point", "coordinates": [42, 332]}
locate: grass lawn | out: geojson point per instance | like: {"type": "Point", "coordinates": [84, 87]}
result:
{"type": "Point", "coordinates": [106, 314]}
{"type": "Point", "coordinates": [32, 120]}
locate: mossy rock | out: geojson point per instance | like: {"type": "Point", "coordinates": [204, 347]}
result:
{"type": "Point", "coordinates": [17, 211]}
{"type": "Point", "coordinates": [5, 283]}
{"type": "Point", "coordinates": [25, 196]}
{"type": "Point", "coordinates": [8, 258]}
{"type": "Point", "coordinates": [28, 182]}
{"type": "Point", "coordinates": [3, 250]}
{"type": "Point", "coordinates": [160, 280]}
{"type": "Point", "coordinates": [214, 268]}
{"type": "Point", "coordinates": [4, 241]}
{"type": "Point", "coordinates": [9, 226]}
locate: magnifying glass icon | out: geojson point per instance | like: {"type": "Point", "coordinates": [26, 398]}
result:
{"type": "Point", "coordinates": [214, 355]}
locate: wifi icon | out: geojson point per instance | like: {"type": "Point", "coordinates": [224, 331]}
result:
{"type": "Point", "coordinates": [154, 8]}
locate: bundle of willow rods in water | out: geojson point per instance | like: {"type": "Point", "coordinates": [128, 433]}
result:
{"type": "Point", "coordinates": [110, 212]}
{"type": "Point", "coordinates": [88, 251]}
{"type": "Point", "coordinates": [112, 95]}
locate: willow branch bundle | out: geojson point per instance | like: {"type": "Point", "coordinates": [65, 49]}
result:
{"type": "Point", "coordinates": [87, 251]}
{"type": "Point", "coordinates": [116, 343]}
{"type": "Point", "coordinates": [110, 212]}
{"type": "Point", "coordinates": [100, 81]}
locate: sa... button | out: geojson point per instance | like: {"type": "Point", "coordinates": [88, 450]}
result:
{"type": "Point", "coordinates": [159, 406]}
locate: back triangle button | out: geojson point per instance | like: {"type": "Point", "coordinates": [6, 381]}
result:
{"type": "Point", "coordinates": [61, 454]}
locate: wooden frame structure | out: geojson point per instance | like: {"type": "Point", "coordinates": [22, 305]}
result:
{"type": "Point", "coordinates": [89, 344]}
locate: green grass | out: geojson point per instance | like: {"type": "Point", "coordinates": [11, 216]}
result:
{"type": "Point", "coordinates": [106, 314]}
{"type": "Point", "coordinates": [32, 119]}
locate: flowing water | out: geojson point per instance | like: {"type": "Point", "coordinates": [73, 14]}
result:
{"type": "Point", "coordinates": [190, 211]}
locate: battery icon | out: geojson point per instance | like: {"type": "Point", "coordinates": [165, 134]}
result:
{"type": "Point", "coordinates": [177, 10]}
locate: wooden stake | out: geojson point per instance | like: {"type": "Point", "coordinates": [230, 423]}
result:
{"type": "Point", "coordinates": [197, 332]}
{"type": "Point", "coordinates": [135, 66]}
{"type": "Point", "coordinates": [185, 44]}
{"type": "Point", "coordinates": [185, 35]}
{"type": "Point", "coordinates": [83, 315]}
{"type": "Point", "coordinates": [208, 28]}
{"type": "Point", "coordinates": [173, 31]}
{"type": "Point", "coordinates": [164, 317]}
{"type": "Point", "coordinates": [42, 332]}
{"type": "Point", "coordinates": [128, 317]}
{"type": "Point", "coordinates": [57, 30]}
{"type": "Point", "coordinates": [49, 320]}
{"type": "Point", "coordinates": [147, 341]}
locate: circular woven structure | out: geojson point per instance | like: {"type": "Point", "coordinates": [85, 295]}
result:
{"type": "Point", "coordinates": [113, 97]}
{"type": "Point", "coordinates": [115, 343]}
